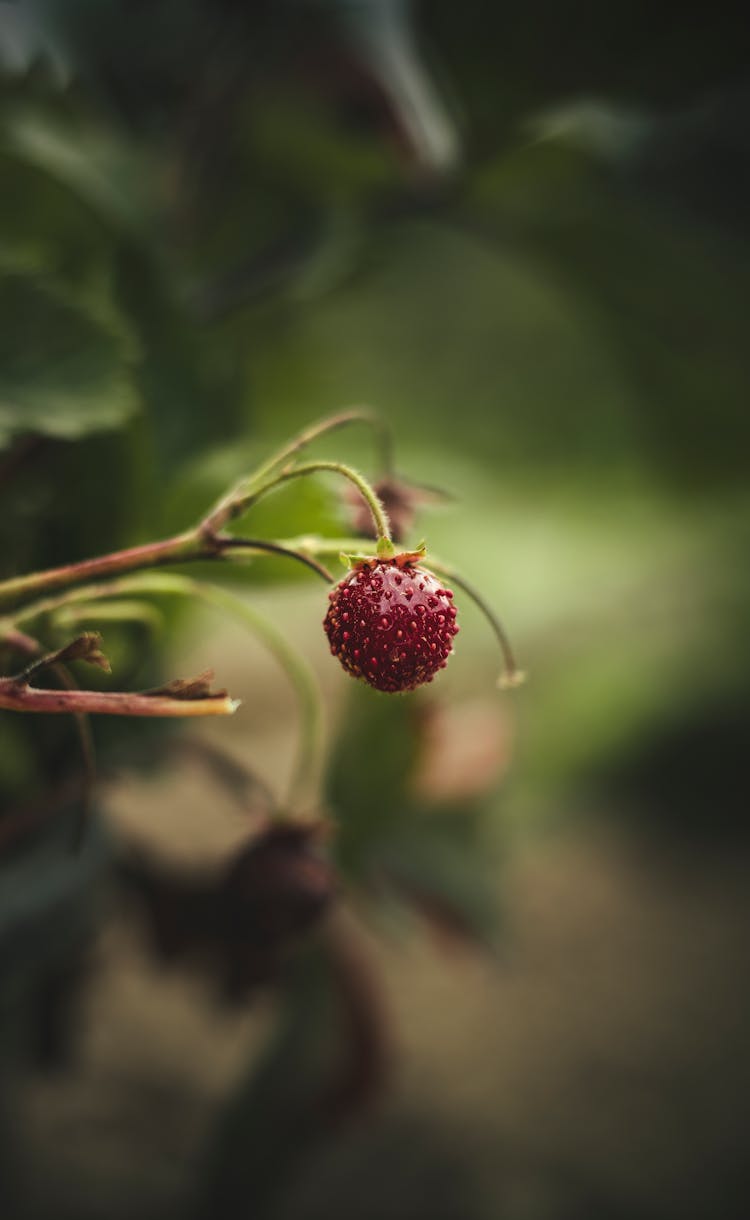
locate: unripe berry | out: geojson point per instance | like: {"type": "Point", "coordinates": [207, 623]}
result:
{"type": "Point", "coordinates": [391, 622]}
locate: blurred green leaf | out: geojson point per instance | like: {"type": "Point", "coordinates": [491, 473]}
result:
{"type": "Point", "coordinates": [93, 161]}
{"type": "Point", "coordinates": [369, 771]}
{"type": "Point", "coordinates": [63, 372]}
{"type": "Point", "coordinates": [433, 858]}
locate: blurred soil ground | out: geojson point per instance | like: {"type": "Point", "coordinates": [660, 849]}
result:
{"type": "Point", "coordinates": [599, 1068]}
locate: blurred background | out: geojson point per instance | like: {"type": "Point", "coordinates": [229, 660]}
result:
{"type": "Point", "coordinates": [506, 976]}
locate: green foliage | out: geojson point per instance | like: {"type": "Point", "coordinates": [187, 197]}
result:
{"type": "Point", "coordinates": [428, 855]}
{"type": "Point", "coordinates": [210, 236]}
{"type": "Point", "coordinates": [64, 372]}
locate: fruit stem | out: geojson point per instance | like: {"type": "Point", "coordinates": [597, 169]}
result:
{"type": "Point", "coordinates": [244, 493]}
{"type": "Point", "coordinates": [300, 676]}
{"type": "Point", "coordinates": [246, 499]}
{"type": "Point", "coordinates": [231, 544]}
{"type": "Point", "coordinates": [513, 676]}
{"type": "Point", "coordinates": [332, 423]}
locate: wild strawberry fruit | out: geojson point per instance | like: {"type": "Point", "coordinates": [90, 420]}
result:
{"type": "Point", "coordinates": [391, 622]}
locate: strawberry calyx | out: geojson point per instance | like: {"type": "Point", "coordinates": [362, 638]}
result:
{"type": "Point", "coordinates": [386, 553]}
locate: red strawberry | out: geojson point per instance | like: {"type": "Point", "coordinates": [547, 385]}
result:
{"type": "Point", "coordinates": [391, 622]}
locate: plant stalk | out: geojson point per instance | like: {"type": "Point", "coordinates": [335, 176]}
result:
{"type": "Point", "coordinates": [16, 696]}
{"type": "Point", "coordinates": [242, 501]}
{"type": "Point", "coordinates": [183, 548]}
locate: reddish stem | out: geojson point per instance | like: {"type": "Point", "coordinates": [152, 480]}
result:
{"type": "Point", "coordinates": [19, 697]}
{"type": "Point", "coordinates": [135, 558]}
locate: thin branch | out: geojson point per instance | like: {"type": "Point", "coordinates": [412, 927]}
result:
{"type": "Point", "coordinates": [297, 670]}
{"type": "Point", "coordinates": [18, 696]}
{"type": "Point", "coordinates": [229, 543]}
{"type": "Point", "coordinates": [19, 641]}
{"type": "Point", "coordinates": [358, 415]}
{"type": "Point", "coordinates": [223, 510]}
{"type": "Point", "coordinates": [244, 497]}
{"type": "Point", "coordinates": [513, 676]}
{"type": "Point", "coordinates": [242, 784]}
{"type": "Point", "coordinates": [201, 544]}
{"type": "Point", "coordinates": [182, 547]}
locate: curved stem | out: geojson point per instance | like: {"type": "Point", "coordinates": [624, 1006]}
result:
{"type": "Point", "coordinates": [74, 610]}
{"type": "Point", "coordinates": [299, 674]}
{"type": "Point", "coordinates": [311, 544]}
{"type": "Point", "coordinates": [513, 676]}
{"type": "Point", "coordinates": [231, 543]}
{"type": "Point", "coordinates": [245, 787]}
{"type": "Point", "coordinates": [358, 415]}
{"type": "Point", "coordinates": [204, 541]}
{"type": "Point", "coordinates": [375, 505]}
{"type": "Point", "coordinates": [297, 671]}
{"type": "Point", "coordinates": [235, 501]}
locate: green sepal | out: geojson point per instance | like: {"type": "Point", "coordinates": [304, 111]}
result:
{"type": "Point", "coordinates": [385, 549]}
{"type": "Point", "coordinates": [353, 561]}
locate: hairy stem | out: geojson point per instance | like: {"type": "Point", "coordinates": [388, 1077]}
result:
{"type": "Point", "coordinates": [244, 491]}
{"type": "Point", "coordinates": [245, 501]}
{"type": "Point", "coordinates": [332, 423]}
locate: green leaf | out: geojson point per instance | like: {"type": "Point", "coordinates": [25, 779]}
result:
{"type": "Point", "coordinates": [431, 858]}
{"type": "Point", "coordinates": [95, 164]}
{"type": "Point", "coordinates": [64, 372]}
{"type": "Point", "coordinates": [369, 771]}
